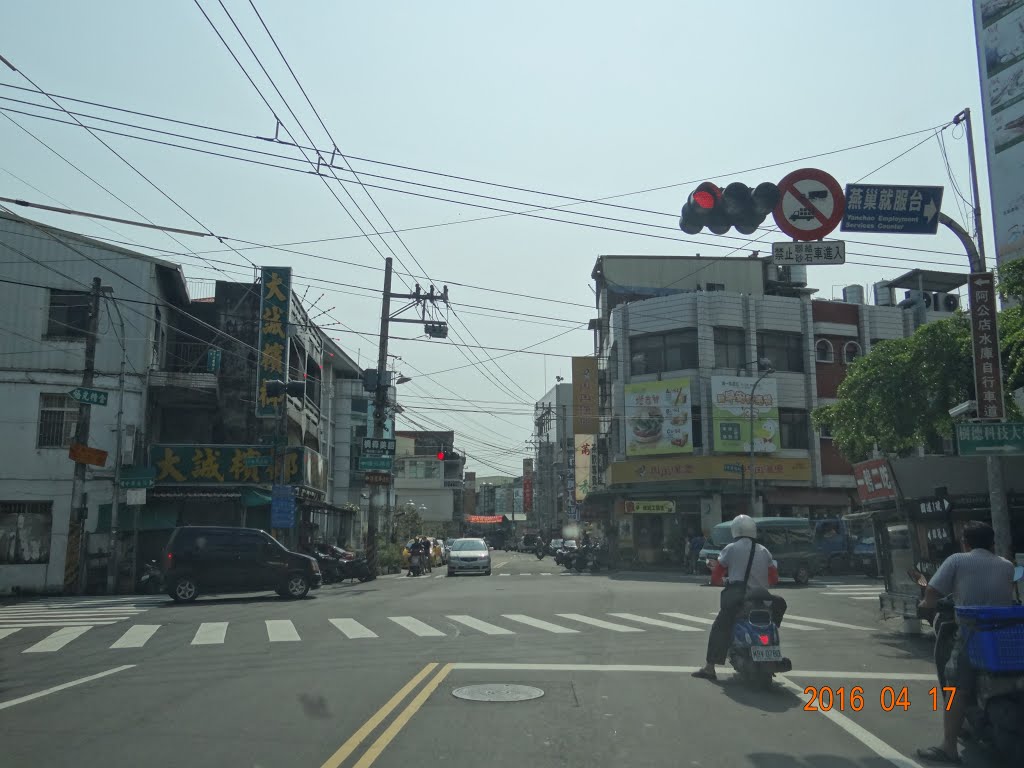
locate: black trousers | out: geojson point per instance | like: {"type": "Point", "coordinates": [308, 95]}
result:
{"type": "Point", "coordinates": [730, 603]}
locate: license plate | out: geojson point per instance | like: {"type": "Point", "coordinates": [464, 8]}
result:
{"type": "Point", "coordinates": [770, 653]}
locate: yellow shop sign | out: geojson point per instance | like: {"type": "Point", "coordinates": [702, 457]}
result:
{"type": "Point", "coordinates": [650, 507]}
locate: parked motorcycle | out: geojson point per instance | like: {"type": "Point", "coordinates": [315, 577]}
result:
{"type": "Point", "coordinates": [356, 568]}
{"type": "Point", "coordinates": [996, 715]}
{"type": "Point", "coordinates": [755, 652]}
{"type": "Point", "coordinates": [152, 580]}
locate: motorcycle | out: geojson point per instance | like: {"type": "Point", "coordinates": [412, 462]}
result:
{"type": "Point", "coordinates": [356, 568]}
{"type": "Point", "coordinates": [996, 715]}
{"type": "Point", "coordinates": [755, 653]}
{"type": "Point", "coordinates": [415, 564]}
{"type": "Point", "coordinates": [152, 580]}
{"type": "Point", "coordinates": [539, 552]}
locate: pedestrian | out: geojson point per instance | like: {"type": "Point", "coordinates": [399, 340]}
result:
{"type": "Point", "coordinates": [744, 564]}
{"type": "Point", "coordinates": [976, 577]}
{"type": "Point", "coordinates": [696, 545]}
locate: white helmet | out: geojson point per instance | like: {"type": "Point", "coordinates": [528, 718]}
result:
{"type": "Point", "coordinates": [744, 525]}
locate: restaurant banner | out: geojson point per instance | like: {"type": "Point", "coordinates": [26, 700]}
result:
{"type": "Point", "coordinates": [658, 419]}
{"type": "Point", "coordinates": [583, 458]}
{"type": "Point", "coordinates": [584, 396]}
{"type": "Point", "coordinates": [275, 298]}
{"type": "Point", "coordinates": [999, 32]}
{"type": "Point", "coordinates": [708, 468]}
{"type": "Point", "coordinates": [730, 414]}
{"type": "Point", "coordinates": [485, 519]}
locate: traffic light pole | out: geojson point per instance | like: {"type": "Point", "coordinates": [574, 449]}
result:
{"type": "Point", "coordinates": [380, 415]}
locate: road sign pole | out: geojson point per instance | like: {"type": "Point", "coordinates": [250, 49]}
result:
{"type": "Point", "coordinates": [75, 576]}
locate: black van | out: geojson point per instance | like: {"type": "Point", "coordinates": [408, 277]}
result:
{"type": "Point", "coordinates": [789, 539]}
{"type": "Point", "coordinates": [219, 559]}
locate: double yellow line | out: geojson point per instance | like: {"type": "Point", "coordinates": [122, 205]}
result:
{"type": "Point", "coordinates": [401, 720]}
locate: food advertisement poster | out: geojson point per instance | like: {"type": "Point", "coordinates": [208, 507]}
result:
{"type": "Point", "coordinates": [999, 26]}
{"type": "Point", "coordinates": [658, 419]}
{"type": "Point", "coordinates": [730, 413]}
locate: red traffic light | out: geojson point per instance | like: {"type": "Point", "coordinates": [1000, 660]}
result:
{"type": "Point", "coordinates": [441, 455]}
{"type": "Point", "coordinates": [700, 208]}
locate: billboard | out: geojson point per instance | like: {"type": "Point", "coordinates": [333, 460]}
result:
{"type": "Point", "coordinates": [584, 452]}
{"type": "Point", "coordinates": [275, 300]}
{"type": "Point", "coordinates": [999, 32]}
{"type": "Point", "coordinates": [658, 419]}
{"type": "Point", "coordinates": [584, 396]}
{"type": "Point", "coordinates": [663, 470]}
{"type": "Point", "coordinates": [731, 414]}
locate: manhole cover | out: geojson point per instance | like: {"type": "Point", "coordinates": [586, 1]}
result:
{"type": "Point", "coordinates": [497, 692]}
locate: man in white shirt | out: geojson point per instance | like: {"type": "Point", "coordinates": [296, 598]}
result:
{"type": "Point", "coordinates": [736, 559]}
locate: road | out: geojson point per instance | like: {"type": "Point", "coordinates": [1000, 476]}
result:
{"type": "Point", "coordinates": [363, 674]}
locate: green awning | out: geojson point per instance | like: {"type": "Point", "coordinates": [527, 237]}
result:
{"type": "Point", "coordinates": [254, 497]}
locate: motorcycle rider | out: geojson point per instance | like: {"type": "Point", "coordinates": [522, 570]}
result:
{"type": "Point", "coordinates": [975, 577]}
{"type": "Point", "coordinates": [732, 563]}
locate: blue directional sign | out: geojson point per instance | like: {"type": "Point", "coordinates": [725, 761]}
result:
{"type": "Point", "coordinates": [282, 507]}
{"type": "Point", "coordinates": [892, 209]}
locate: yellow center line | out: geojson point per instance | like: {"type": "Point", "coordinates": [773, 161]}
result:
{"type": "Point", "coordinates": [357, 738]}
{"type": "Point", "coordinates": [402, 719]}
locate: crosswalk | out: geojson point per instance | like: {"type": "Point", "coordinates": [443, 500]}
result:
{"type": "Point", "coordinates": [863, 591]}
{"type": "Point", "coordinates": [75, 612]}
{"type": "Point", "coordinates": [40, 640]}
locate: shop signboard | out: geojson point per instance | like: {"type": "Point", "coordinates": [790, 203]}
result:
{"type": "Point", "coordinates": [660, 470]}
{"type": "Point", "coordinates": [658, 418]}
{"type": "Point", "coordinates": [650, 507]}
{"type": "Point", "coordinates": [584, 395]}
{"type": "Point", "coordinates": [732, 398]}
{"type": "Point", "coordinates": [582, 464]}
{"type": "Point", "coordinates": [275, 299]}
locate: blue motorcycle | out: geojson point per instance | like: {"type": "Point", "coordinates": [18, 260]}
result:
{"type": "Point", "coordinates": [755, 652]}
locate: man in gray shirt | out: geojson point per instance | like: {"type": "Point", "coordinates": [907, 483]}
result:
{"type": "Point", "coordinates": [975, 577]}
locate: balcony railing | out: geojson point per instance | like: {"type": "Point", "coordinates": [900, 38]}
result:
{"type": "Point", "coordinates": [187, 366]}
{"type": "Point", "coordinates": [188, 357]}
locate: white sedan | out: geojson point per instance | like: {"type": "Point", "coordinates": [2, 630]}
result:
{"type": "Point", "coordinates": [469, 556]}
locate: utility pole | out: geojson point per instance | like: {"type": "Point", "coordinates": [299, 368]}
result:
{"type": "Point", "coordinates": [75, 572]}
{"type": "Point", "coordinates": [115, 502]}
{"type": "Point", "coordinates": [380, 415]}
{"type": "Point", "coordinates": [994, 469]}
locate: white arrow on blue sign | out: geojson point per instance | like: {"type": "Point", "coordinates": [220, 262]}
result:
{"type": "Point", "coordinates": [892, 209]}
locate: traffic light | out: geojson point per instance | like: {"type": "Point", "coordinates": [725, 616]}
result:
{"type": "Point", "coordinates": [737, 206]}
{"type": "Point", "coordinates": [442, 455]}
{"type": "Point", "coordinates": [276, 388]}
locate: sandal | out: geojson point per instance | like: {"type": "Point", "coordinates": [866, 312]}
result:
{"type": "Point", "coordinates": [938, 755]}
{"type": "Point", "coordinates": [703, 674]}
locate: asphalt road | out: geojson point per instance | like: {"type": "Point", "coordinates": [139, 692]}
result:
{"type": "Point", "coordinates": [363, 674]}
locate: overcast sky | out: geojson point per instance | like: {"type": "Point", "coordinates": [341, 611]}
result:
{"type": "Point", "coordinates": [585, 99]}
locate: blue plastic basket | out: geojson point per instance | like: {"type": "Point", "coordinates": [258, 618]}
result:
{"type": "Point", "coordinates": [996, 642]}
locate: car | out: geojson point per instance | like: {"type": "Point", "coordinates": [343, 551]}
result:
{"type": "Point", "coordinates": [202, 560]}
{"type": "Point", "coordinates": [789, 539]}
{"type": "Point", "coordinates": [469, 556]}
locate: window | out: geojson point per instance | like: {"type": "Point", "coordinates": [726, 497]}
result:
{"type": "Point", "coordinates": [825, 433]}
{"type": "Point", "coordinates": [823, 351]}
{"type": "Point", "coordinates": [715, 286]}
{"type": "Point", "coordinates": [58, 420]}
{"type": "Point", "coordinates": [660, 352]}
{"type": "Point", "coordinates": [730, 347]}
{"type": "Point", "coordinates": [360, 405]}
{"type": "Point", "coordinates": [69, 314]}
{"type": "Point", "coordinates": [793, 428]}
{"type": "Point", "coordinates": [851, 351]}
{"type": "Point", "coordinates": [785, 350]}
{"type": "Point", "coordinates": [25, 532]}
{"type": "Point", "coordinates": [697, 429]}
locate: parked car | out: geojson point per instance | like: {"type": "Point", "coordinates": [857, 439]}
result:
{"type": "Point", "coordinates": [219, 559]}
{"type": "Point", "coordinates": [789, 539]}
{"type": "Point", "coordinates": [469, 556]}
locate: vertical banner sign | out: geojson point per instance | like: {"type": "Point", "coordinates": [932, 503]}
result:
{"type": "Point", "coordinates": [527, 486]}
{"type": "Point", "coordinates": [732, 398]}
{"type": "Point", "coordinates": [988, 371]}
{"type": "Point", "coordinates": [276, 285]}
{"type": "Point", "coordinates": [584, 396]}
{"type": "Point", "coordinates": [999, 29]}
{"type": "Point", "coordinates": [658, 418]}
{"type": "Point", "coordinates": [584, 452]}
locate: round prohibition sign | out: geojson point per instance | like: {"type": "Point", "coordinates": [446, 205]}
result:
{"type": "Point", "coordinates": [811, 204]}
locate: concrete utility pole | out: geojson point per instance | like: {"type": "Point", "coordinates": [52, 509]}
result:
{"type": "Point", "coordinates": [976, 257]}
{"type": "Point", "coordinates": [75, 573]}
{"type": "Point", "coordinates": [380, 415]}
{"type": "Point", "coordinates": [115, 502]}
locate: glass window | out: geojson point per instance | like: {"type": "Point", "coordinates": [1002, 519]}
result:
{"type": "Point", "coordinates": [360, 405]}
{"type": "Point", "coordinates": [785, 350]}
{"type": "Point", "coordinates": [698, 430]}
{"type": "Point", "coordinates": [647, 354]}
{"type": "Point", "coordinates": [58, 420]}
{"type": "Point", "coordinates": [730, 347]}
{"type": "Point", "coordinates": [823, 351]}
{"type": "Point", "coordinates": [681, 350]}
{"type": "Point", "coordinates": [68, 314]}
{"type": "Point", "coordinates": [793, 428]}
{"type": "Point", "coordinates": [851, 351]}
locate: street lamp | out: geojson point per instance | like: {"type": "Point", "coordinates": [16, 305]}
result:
{"type": "Point", "coordinates": [764, 365]}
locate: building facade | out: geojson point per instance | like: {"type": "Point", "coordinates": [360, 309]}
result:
{"type": "Point", "coordinates": [434, 486]}
{"type": "Point", "coordinates": [553, 481]}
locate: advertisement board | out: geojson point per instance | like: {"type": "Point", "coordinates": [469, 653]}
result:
{"type": "Point", "coordinates": [658, 419]}
{"type": "Point", "coordinates": [584, 396]}
{"type": "Point", "coordinates": [731, 411]}
{"type": "Point", "coordinates": [999, 32]}
{"type": "Point", "coordinates": [650, 508]}
{"type": "Point", "coordinates": [275, 298]}
{"type": "Point", "coordinates": [527, 486]}
{"type": "Point", "coordinates": [584, 452]}
{"type": "Point", "coordinates": [875, 481]}
{"type": "Point", "coordinates": [663, 470]}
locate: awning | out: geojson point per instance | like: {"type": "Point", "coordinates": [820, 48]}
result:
{"type": "Point", "coordinates": [185, 493]}
{"type": "Point", "coordinates": [254, 497]}
{"type": "Point", "coordinates": [809, 497]}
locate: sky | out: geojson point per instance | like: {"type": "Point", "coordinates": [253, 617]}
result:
{"type": "Point", "coordinates": [583, 99]}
